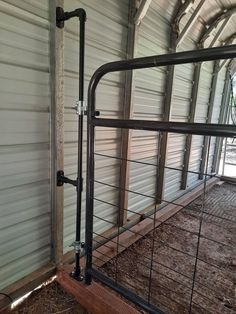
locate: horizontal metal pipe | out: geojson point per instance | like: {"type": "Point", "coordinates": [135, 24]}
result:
{"type": "Point", "coordinates": [201, 55]}
{"type": "Point", "coordinates": [171, 127]}
{"type": "Point", "coordinates": [124, 291]}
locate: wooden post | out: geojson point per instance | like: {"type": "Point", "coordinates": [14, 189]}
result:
{"type": "Point", "coordinates": [57, 129]}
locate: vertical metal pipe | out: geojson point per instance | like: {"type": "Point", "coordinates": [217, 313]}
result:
{"type": "Point", "coordinates": [77, 270]}
{"type": "Point", "coordinates": [89, 186]}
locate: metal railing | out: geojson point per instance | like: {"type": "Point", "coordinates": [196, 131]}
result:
{"type": "Point", "coordinates": [207, 130]}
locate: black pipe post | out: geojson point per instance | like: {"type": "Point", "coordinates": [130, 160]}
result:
{"type": "Point", "coordinates": [61, 17]}
{"type": "Point", "coordinates": [78, 245]}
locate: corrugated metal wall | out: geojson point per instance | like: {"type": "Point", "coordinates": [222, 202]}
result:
{"type": "Point", "coordinates": [25, 225]}
{"type": "Point", "coordinates": [25, 219]}
{"type": "Point", "coordinates": [106, 40]}
{"type": "Point", "coordinates": [149, 94]}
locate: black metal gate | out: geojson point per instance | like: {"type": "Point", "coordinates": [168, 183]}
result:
{"type": "Point", "coordinates": [207, 130]}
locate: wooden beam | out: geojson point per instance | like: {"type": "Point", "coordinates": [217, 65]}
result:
{"type": "Point", "coordinates": [230, 180]}
{"type": "Point", "coordinates": [128, 112]}
{"type": "Point", "coordinates": [57, 129]}
{"type": "Point", "coordinates": [95, 298]}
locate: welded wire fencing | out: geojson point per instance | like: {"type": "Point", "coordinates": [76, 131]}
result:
{"type": "Point", "coordinates": [177, 258]}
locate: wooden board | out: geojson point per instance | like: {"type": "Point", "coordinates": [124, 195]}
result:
{"type": "Point", "coordinates": [95, 298]}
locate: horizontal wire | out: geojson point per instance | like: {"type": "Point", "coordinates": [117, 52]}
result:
{"type": "Point", "coordinates": [146, 279]}
{"type": "Point", "coordinates": [137, 193]}
{"type": "Point", "coordinates": [164, 223]}
{"type": "Point", "coordinates": [155, 165]}
{"type": "Point", "coordinates": [163, 265]}
{"type": "Point", "coordinates": [167, 245]}
{"type": "Point", "coordinates": [184, 285]}
{"type": "Point", "coordinates": [207, 213]}
{"type": "Point", "coordinates": [156, 271]}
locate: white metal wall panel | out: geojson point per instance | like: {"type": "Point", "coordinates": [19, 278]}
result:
{"type": "Point", "coordinates": [106, 40]}
{"type": "Point", "coordinates": [25, 218]}
{"type": "Point", "coordinates": [149, 93]}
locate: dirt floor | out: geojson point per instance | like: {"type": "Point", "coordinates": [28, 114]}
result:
{"type": "Point", "coordinates": [175, 271]}
{"type": "Point", "coordinates": [51, 299]}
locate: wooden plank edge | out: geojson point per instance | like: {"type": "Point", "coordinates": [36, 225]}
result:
{"type": "Point", "coordinates": [95, 298]}
{"type": "Point", "coordinates": [26, 284]}
{"type": "Point", "coordinates": [230, 180]}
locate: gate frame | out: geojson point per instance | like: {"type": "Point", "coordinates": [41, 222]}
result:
{"type": "Point", "coordinates": [221, 130]}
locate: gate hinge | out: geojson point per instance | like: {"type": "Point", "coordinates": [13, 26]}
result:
{"type": "Point", "coordinates": [61, 179]}
{"type": "Point", "coordinates": [78, 246]}
{"type": "Point", "coordinates": [81, 108]}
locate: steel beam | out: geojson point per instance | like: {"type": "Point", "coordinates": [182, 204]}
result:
{"type": "Point", "coordinates": [222, 120]}
{"type": "Point", "coordinates": [220, 31]}
{"type": "Point", "coordinates": [142, 11]}
{"type": "Point", "coordinates": [128, 113]}
{"type": "Point", "coordinates": [190, 22]}
{"type": "Point", "coordinates": [228, 41]}
{"type": "Point", "coordinates": [205, 146]}
{"type": "Point", "coordinates": [163, 139]}
{"type": "Point", "coordinates": [222, 64]}
{"type": "Point", "coordinates": [163, 144]}
{"type": "Point", "coordinates": [215, 22]}
{"type": "Point", "coordinates": [225, 18]}
{"type": "Point", "coordinates": [188, 144]}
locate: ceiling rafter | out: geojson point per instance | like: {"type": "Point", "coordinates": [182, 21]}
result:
{"type": "Point", "coordinates": [215, 21]}
{"type": "Point", "coordinates": [228, 41]}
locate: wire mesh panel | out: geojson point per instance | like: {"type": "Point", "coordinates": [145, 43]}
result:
{"type": "Point", "coordinates": [178, 258]}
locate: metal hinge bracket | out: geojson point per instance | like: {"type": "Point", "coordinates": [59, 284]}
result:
{"type": "Point", "coordinates": [61, 179]}
{"type": "Point", "coordinates": [78, 246]}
